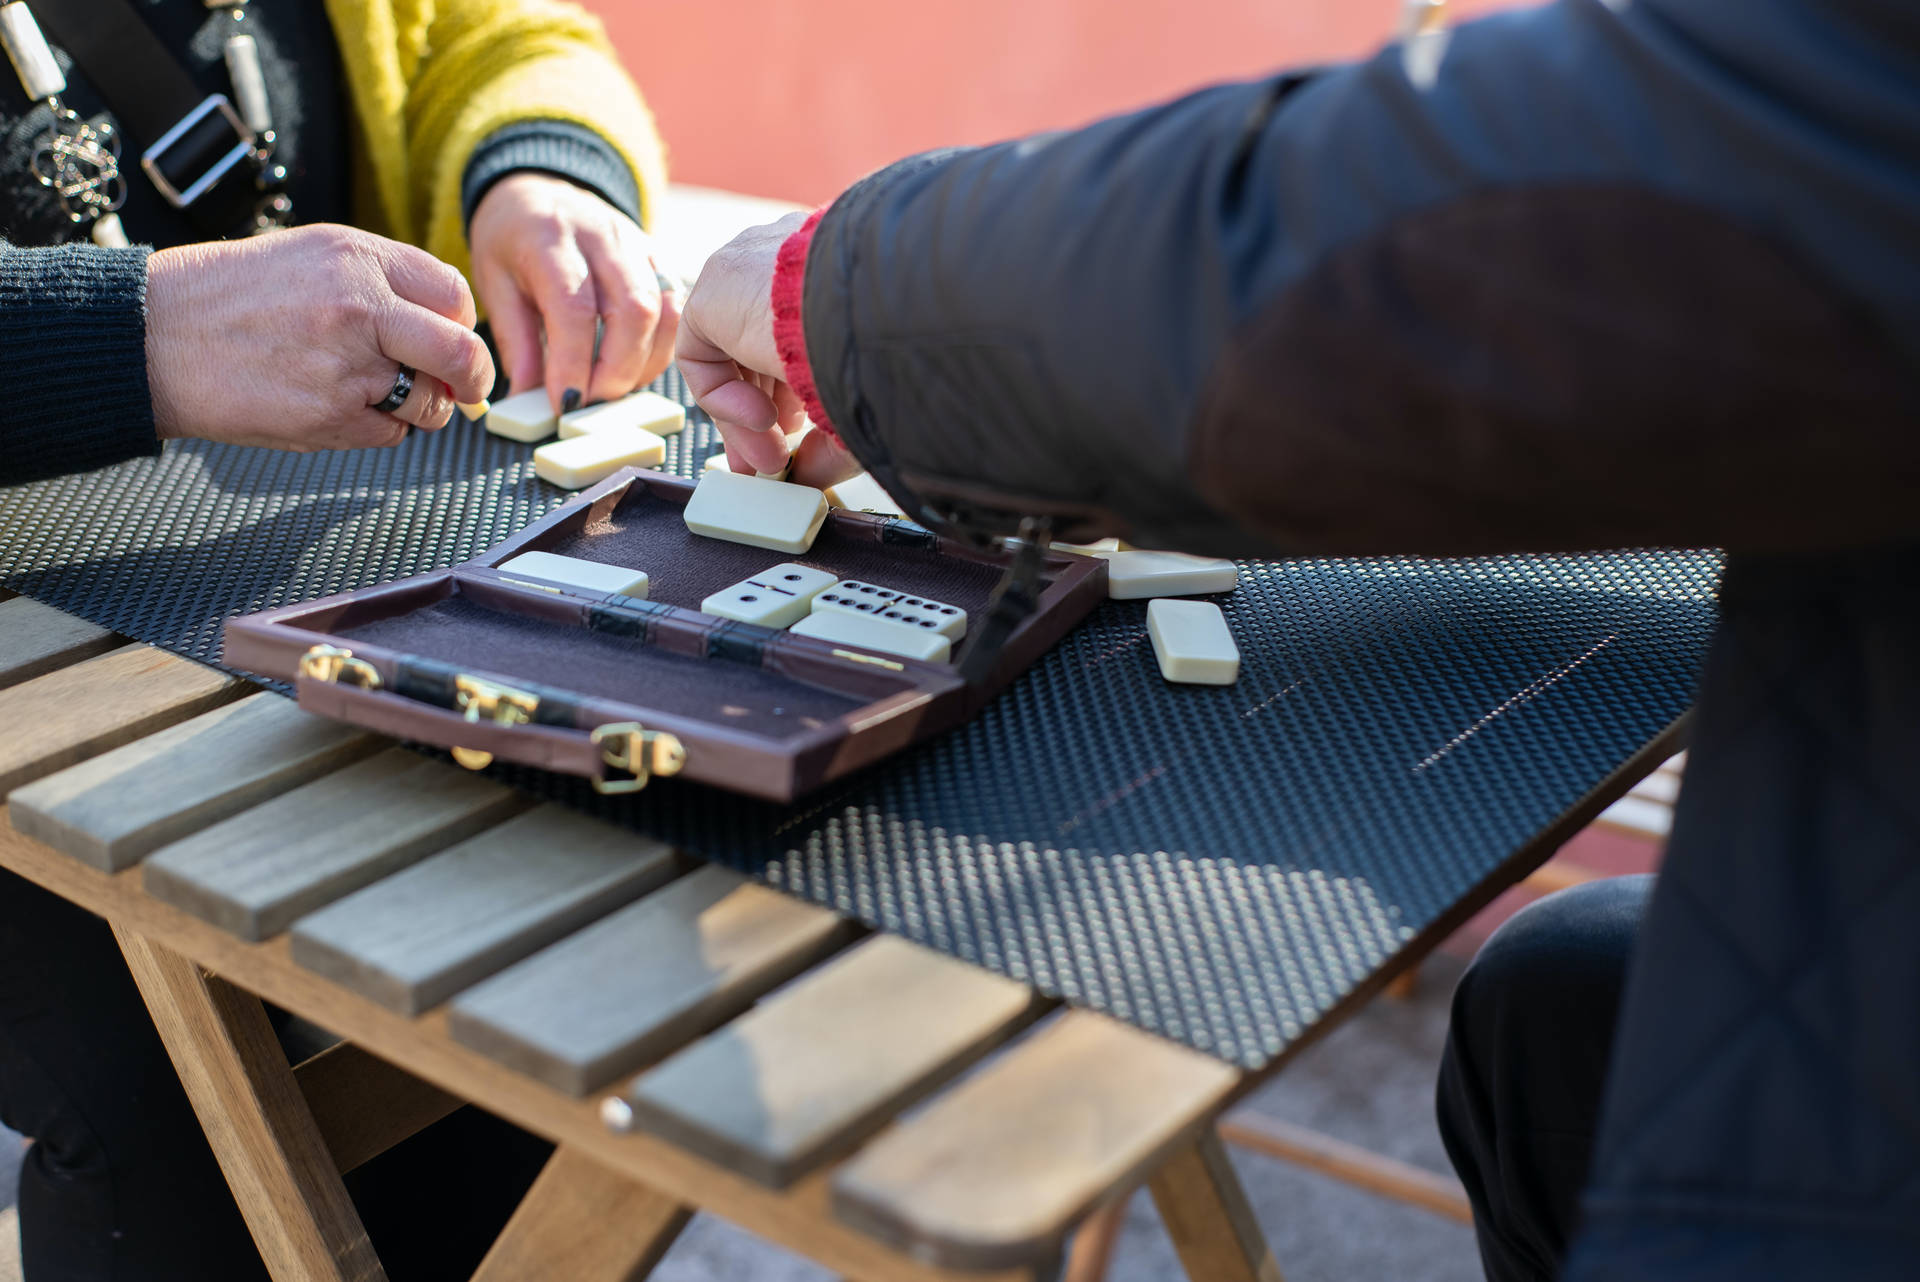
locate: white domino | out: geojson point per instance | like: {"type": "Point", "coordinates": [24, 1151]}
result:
{"type": "Point", "coordinates": [775, 598]}
{"type": "Point", "coordinates": [875, 634]}
{"type": "Point", "coordinates": [1193, 643]}
{"type": "Point", "coordinates": [570, 571]}
{"type": "Point", "coordinates": [753, 510]}
{"type": "Point", "coordinates": [1088, 549]}
{"type": "Point", "coordinates": [716, 462]}
{"type": "Point", "coordinates": [862, 494]}
{"type": "Point", "coordinates": [524, 416]}
{"type": "Point", "coordinates": [581, 460]}
{"type": "Point", "coordinates": [648, 411]}
{"type": "Point", "coordinates": [1132, 576]}
{"type": "Point", "coordinates": [851, 596]}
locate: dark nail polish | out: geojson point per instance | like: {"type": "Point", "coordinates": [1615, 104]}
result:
{"type": "Point", "coordinates": [570, 400]}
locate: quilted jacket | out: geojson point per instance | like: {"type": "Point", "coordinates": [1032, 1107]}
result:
{"type": "Point", "coordinates": [1603, 273]}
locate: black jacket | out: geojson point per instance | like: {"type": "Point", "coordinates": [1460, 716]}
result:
{"type": "Point", "coordinates": [1632, 272]}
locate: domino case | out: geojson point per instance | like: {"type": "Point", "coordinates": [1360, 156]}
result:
{"type": "Point", "coordinates": [618, 690]}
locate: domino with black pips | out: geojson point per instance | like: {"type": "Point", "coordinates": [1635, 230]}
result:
{"type": "Point", "coordinates": [775, 598]}
{"type": "Point", "coordinates": [853, 596]}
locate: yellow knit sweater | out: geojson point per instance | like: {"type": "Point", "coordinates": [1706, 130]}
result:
{"type": "Point", "coordinates": [431, 79]}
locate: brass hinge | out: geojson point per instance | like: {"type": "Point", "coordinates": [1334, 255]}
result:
{"type": "Point", "coordinates": [638, 753]}
{"type": "Point", "coordinates": [332, 664]}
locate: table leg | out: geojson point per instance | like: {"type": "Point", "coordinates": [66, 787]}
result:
{"type": "Point", "coordinates": [584, 1223]}
{"type": "Point", "coordinates": [255, 1118]}
{"type": "Point", "coordinates": [1092, 1252]}
{"type": "Point", "coordinates": [1206, 1214]}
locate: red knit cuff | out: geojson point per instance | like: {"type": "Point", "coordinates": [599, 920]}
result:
{"type": "Point", "coordinates": [789, 325]}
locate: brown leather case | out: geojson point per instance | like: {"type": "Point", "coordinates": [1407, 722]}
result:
{"type": "Point", "coordinates": [617, 689]}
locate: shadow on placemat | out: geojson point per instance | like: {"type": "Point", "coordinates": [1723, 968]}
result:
{"type": "Point", "coordinates": [1220, 865]}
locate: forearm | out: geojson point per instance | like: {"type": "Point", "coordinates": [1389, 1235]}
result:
{"type": "Point", "coordinates": [73, 356]}
{"type": "Point", "coordinates": [1570, 292]}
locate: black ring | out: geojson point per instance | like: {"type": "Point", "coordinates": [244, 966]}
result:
{"type": "Point", "coordinates": [402, 389]}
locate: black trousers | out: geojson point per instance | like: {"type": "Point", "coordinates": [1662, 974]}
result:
{"type": "Point", "coordinates": [120, 1184]}
{"type": "Point", "coordinates": [1525, 1063]}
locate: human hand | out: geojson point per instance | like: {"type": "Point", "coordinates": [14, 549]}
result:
{"type": "Point", "coordinates": [548, 255]}
{"type": "Point", "coordinates": [289, 340]}
{"type": "Point", "coordinates": [727, 353]}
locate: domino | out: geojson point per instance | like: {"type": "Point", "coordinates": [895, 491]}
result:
{"type": "Point", "coordinates": [850, 596]}
{"type": "Point", "coordinates": [593, 577]}
{"type": "Point", "coordinates": [579, 462]}
{"type": "Point", "coordinates": [475, 412]}
{"type": "Point", "coordinates": [1193, 643]}
{"type": "Point", "coordinates": [648, 411]}
{"type": "Point", "coordinates": [875, 634]}
{"type": "Point", "coordinates": [774, 598]}
{"type": "Point", "coordinates": [862, 494]}
{"type": "Point", "coordinates": [1088, 549]}
{"type": "Point", "coordinates": [525, 416]}
{"type": "Point", "coordinates": [716, 462]}
{"type": "Point", "coordinates": [1132, 576]}
{"type": "Point", "coordinates": [753, 510]}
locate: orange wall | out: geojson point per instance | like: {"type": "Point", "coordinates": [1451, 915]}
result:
{"type": "Point", "coordinates": [796, 98]}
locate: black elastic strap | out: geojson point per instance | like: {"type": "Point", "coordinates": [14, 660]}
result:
{"type": "Point", "coordinates": [149, 92]}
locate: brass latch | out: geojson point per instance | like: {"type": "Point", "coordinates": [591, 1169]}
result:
{"type": "Point", "coordinates": [485, 701]}
{"type": "Point", "coordinates": [640, 753]}
{"type": "Point", "coordinates": [332, 664]}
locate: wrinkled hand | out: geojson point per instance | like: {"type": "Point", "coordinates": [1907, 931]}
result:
{"type": "Point", "coordinates": [552, 257]}
{"type": "Point", "coordinates": [289, 340]}
{"type": "Point", "coordinates": [727, 353]}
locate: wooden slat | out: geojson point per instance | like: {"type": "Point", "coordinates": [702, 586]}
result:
{"type": "Point", "coordinates": [806, 1076]}
{"type": "Point", "coordinates": [1002, 1166]}
{"type": "Point", "coordinates": [420, 936]}
{"type": "Point", "coordinates": [1350, 1164]}
{"type": "Point", "coordinates": [583, 1223]}
{"type": "Point", "coordinates": [798, 1218]}
{"type": "Point", "coordinates": [255, 1118]}
{"type": "Point", "coordinates": [364, 1105]}
{"type": "Point", "coordinates": [1091, 1255]}
{"type": "Point", "coordinates": [640, 983]}
{"type": "Point", "coordinates": [1207, 1216]}
{"type": "Point", "coordinates": [36, 639]}
{"type": "Point", "coordinates": [114, 810]}
{"type": "Point", "coordinates": [77, 712]}
{"type": "Point", "coordinates": [254, 873]}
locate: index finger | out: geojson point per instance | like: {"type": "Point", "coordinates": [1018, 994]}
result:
{"type": "Point", "coordinates": [420, 278]}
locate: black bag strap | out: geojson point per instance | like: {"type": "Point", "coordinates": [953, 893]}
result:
{"type": "Point", "coordinates": [150, 92]}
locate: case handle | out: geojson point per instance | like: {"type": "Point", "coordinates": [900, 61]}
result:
{"type": "Point", "coordinates": [494, 721]}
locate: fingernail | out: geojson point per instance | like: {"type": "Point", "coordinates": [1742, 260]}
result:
{"type": "Point", "coordinates": [570, 400]}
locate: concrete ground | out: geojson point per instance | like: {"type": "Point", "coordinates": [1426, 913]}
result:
{"type": "Point", "coordinates": [1371, 1082]}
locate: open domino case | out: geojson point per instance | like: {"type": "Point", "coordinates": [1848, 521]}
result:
{"type": "Point", "coordinates": [618, 689]}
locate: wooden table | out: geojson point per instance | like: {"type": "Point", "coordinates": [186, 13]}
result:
{"type": "Point", "coordinates": [689, 1040]}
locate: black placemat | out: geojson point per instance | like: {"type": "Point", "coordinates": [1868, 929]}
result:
{"type": "Point", "coordinates": [1219, 865]}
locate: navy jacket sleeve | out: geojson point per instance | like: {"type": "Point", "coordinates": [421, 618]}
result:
{"type": "Point", "coordinates": [1595, 274]}
{"type": "Point", "coordinates": [73, 360]}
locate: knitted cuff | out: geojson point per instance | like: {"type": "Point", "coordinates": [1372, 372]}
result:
{"type": "Point", "coordinates": [789, 325]}
{"type": "Point", "coordinates": [73, 358]}
{"type": "Point", "coordinates": [556, 147]}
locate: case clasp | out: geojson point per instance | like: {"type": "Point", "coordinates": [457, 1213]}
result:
{"type": "Point", "coordinates": [484, 700]}
{"type": "Point", "coordinates": [332, 664]}
{"type": "Point", "coordinates": [639, 753]}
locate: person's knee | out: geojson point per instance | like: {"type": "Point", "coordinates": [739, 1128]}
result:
{"type": "Point", "coordinates": [1561, 959]}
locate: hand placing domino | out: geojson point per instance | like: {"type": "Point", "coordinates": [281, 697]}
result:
{"type": "Point", "coordinates": [874, 634]}
{"type": "Point", "coordinates": [774, 598]}
{"type": "Point", "coordinates": [1193, 643]}
{"type": "Point", "coordinates": [594, 577]}
{"type": "Point", "coordinates": [648, 411]}
{"type": "Point", "coordinates": [851, 596]}
{"type": "Point", "coordinates": [1134, 575]}
{"type": "Point", "coordinates": [581, 460]}
{"type": "Point", "coordinates": [525, 416]}
{"type": "Point", "coordinates": [754, 510]}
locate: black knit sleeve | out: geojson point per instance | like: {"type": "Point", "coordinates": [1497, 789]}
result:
{"type": "Point", "coordinates": [556, 147]}
{"type": "Point", "coordinates": [73, 360]}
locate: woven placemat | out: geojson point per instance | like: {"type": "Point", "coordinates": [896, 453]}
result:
{"type": "Point", "coordinates": [1218, 865]}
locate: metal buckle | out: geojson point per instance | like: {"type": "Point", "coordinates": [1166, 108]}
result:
{"type": "Point", "coordinates": [502, 705]}
{"type": "Point", "coordinates": [332, 664]}
{"type": "Point", "coordinates": [242, 148]}
{"type": "Point", "coordinates": [641, 753]}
